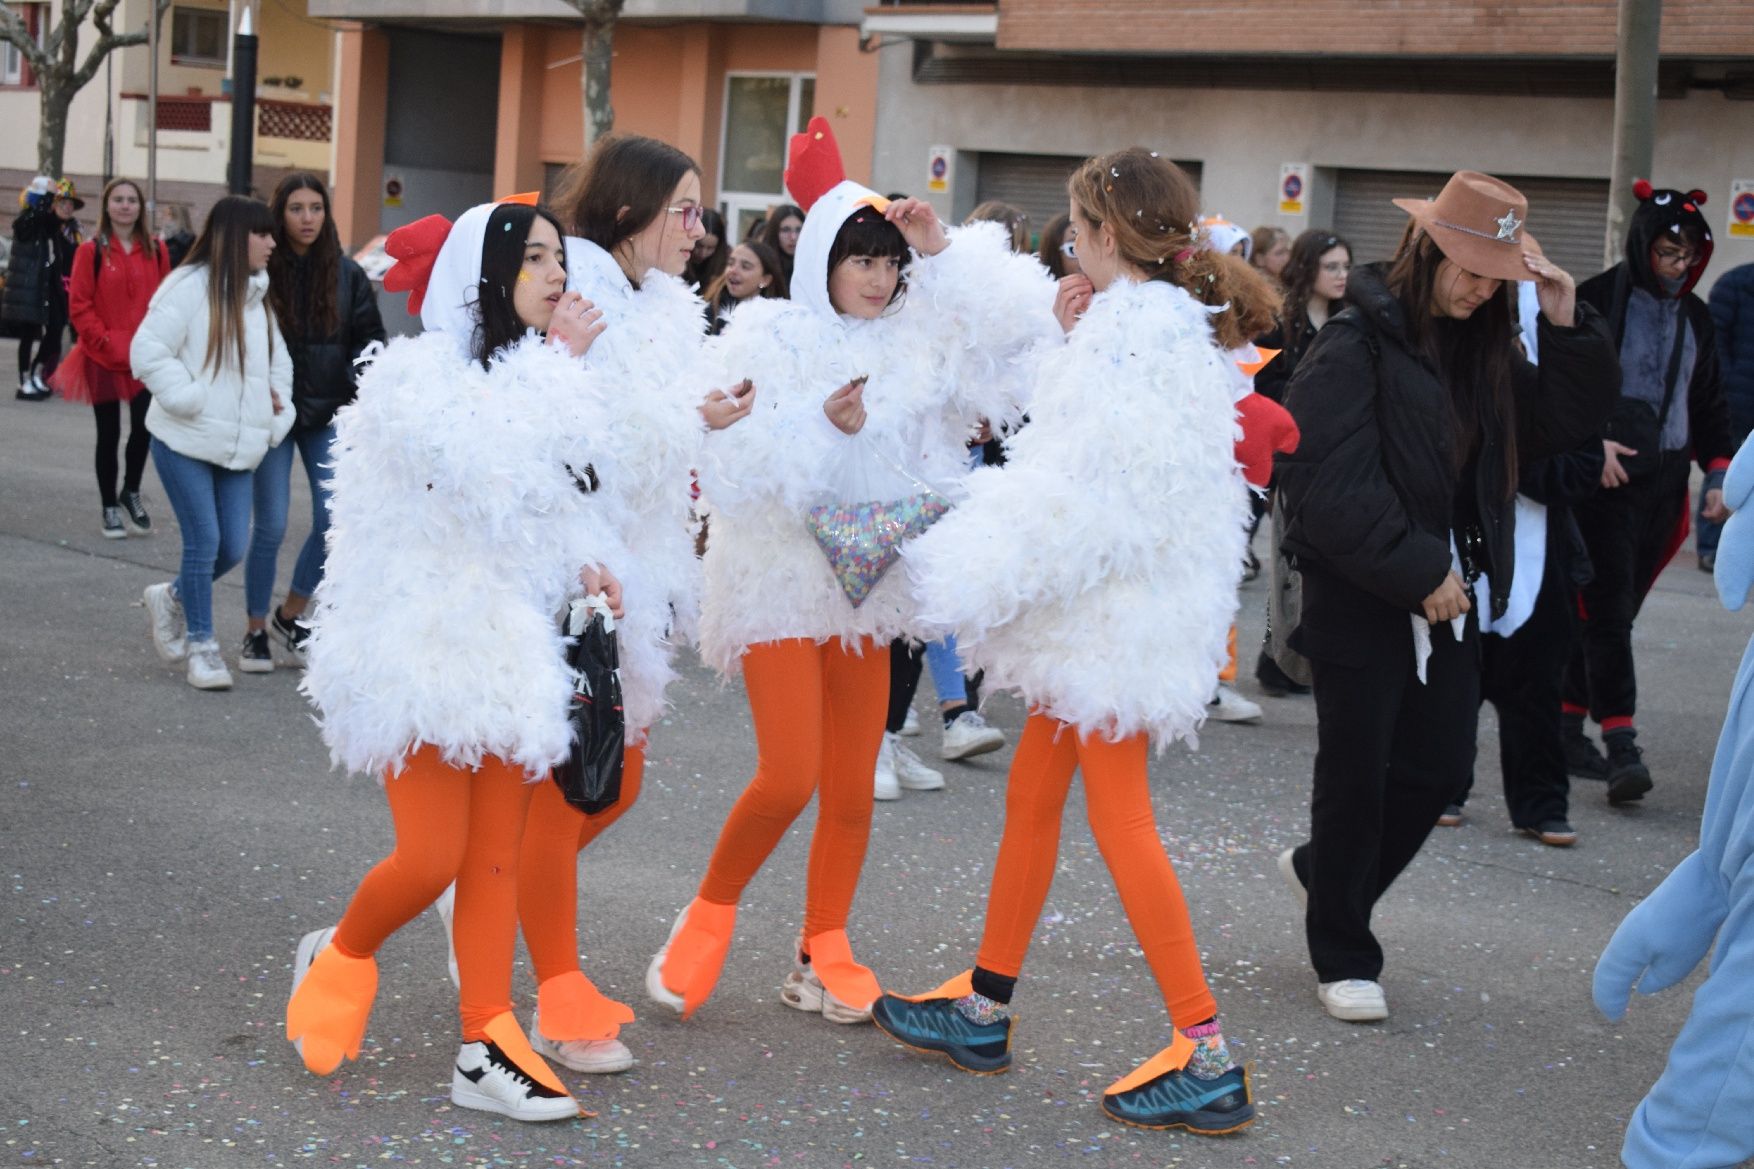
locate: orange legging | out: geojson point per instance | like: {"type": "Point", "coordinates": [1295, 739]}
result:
{"type": "Point", "coordinates": [452, 824]}
{"type": "Point", "coordinates": [1228, 673]}
{"type": "Point", "coordinates": [548, 869]}
{"type": "Point", "coordinates": [1118, 798]}
{"type": "Point", "coordinates": [818, 712]}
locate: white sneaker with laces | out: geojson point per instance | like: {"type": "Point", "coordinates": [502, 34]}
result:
{"type": "Point", "coordinates": [910, 772]}
{"type": "Point", "coordinates": [1354, 1000]}
{"type": "Point", "coordinates": [1227, 706]}
{"type": "Point", "coordinates": [885, 784]}
{"type": "Point", "coordinates": [969, 735]}
{"type": "Point", "coordinates": [488, 1080]}
{"type": "Point", "coordinates": [591, 1056]}
{"type": "Point", "coordinates": [206, 667]}
{"type": "Point", "coordinates": [169, 628]}
{"type": "Point", "coordinates": [910, 726]}
{"type": "Point", "coordinates": [446, 907]}
{"type": "Point", "coordinates": [803, 991]}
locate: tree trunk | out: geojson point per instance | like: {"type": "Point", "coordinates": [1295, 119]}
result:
{"type": "Point", "coordinates": [52, 130]}
{"type": "Point", "coordinates": [598, 56]}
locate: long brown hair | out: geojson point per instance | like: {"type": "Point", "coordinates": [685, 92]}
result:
{"type": "Point", "coordinates": [224, 247]}
{"type": "Point", "coordinates": [1299, 278]}
{"type": "Point", "coordinates": [623, 171]}
{"type": "Point", "coordinates": [770, 267]}
{"type": "Point", "coordinates": [1052, 236]}
{"type": "Point", "coordinates": [1477, 370]}
{"type": "Point", "coordinates": [106, 230]}
{"type": "Point", "coordinates": [1151, 205]}
{"type": "Point", "coordinates": [308, 311]}
{"type": "Point", "coordinates": [1012, 218]}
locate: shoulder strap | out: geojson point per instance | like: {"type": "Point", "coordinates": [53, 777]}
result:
{"type": "Point", "coordinates": [97, 256]}
{"type": "Point", "coordinates": [1673, 375]}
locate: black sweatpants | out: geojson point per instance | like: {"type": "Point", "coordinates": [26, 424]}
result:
{"type": "Point", "coordinates": [906, 660]}
{"type": "Point", "coordinates": [1391, 752]}
{"type": "Point", "coordinates": [1627, 530]}
{"type": "Point", "coordinates": [109, 437]}
{"type": "Point", "coordinates": [1523, 676]}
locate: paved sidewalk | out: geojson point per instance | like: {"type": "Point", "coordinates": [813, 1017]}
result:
{"type": "Point", "coordinates": [166, 848]}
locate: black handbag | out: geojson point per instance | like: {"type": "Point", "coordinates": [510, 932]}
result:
{"type": "Point", "coordinates": [1633, 423]}
{"type": "Point", "coordinates": [590, 777]}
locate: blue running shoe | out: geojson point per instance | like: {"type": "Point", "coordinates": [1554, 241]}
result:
{"type": "Point", "coordinates": [1174, 1099]}
{"type": "Point", "coordinates": [935, 1025]}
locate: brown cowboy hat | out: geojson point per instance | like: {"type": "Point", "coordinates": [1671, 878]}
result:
{"type": "Point", "coordinates": [1477, 222]}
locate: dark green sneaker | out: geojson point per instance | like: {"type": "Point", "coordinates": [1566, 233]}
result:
{"type": "Point", "coordinates": [935, 1025]}
{"type": "Point", "coordinates": [1175, 1099]}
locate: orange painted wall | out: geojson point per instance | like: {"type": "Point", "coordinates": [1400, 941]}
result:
{"type": "Point", "coordinates": [363, 99]}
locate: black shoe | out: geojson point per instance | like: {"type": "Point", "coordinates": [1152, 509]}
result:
{"type": "Point", "coordinates": [112, 524]}
{"type": "Point", "coordinates": [291, 634]}
{"type": "Point", "coordinates": [134, 511]}
{"type": "Point", "coordinates": [1450, 817]}
{"type": "Point", "coordinates": [1628, 777]}
{"type": "Point", "coordinates": [1583, 759]}
{"type": "Point", "coordinates": [1707, 561]}
{"type": "Point", "coordinates": [935, 1025]}
{"type": "Point", "coordinates": [1275, 682]}
{"type": "Point", "coordinates": [256, 656]}
{"type": "Point", "coordinates": [1556, 831]}
{"type": "Point", "coordinates": [1251, 566]}
{"type": "Point", "coordinates": [1176, 1099]}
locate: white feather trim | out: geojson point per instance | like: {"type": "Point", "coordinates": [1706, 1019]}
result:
{"type": "Point", "coordinates": [456, 537]}
{"type": "Point", "coordinates": [1096, 573]}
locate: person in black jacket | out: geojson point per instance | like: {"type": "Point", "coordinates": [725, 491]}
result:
{"type": "Point", "coordinates": [1732, 316]}
{"type": "Point", "coordinates": [328, 311]}
{"type": "Point", "coordinates": [1415, 410]}
{"type": "Point", "coordinates": [44, 237]}
{"type": "Point", "coordinates": [1671, 406]}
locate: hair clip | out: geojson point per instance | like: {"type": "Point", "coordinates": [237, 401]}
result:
{"type": "Point", "coordinates": [1115, 171]}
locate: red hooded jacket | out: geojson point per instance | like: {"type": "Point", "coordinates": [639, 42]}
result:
{"type": "Point", "coordinates": [107, 306]}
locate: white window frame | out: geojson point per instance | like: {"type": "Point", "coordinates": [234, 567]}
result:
{"type": "Point", "coordinates": [183, 62]}
{"type": "Point", "coordinates": [732, 204]}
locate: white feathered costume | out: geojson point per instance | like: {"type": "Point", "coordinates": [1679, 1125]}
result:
{"type": "Point", "coordinates": [1096, 572]}
{"type": "Point", "coordinates": [937, 365]}
{"type": "Point", "coordinates": [649, 359]}
{"type": "Point", "coordinates": [456, 537]}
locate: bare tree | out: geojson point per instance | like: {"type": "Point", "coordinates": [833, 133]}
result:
{"type": "Point", "coordinates": [598, 55]}
{"type": "Point", "coordinates": [60, 74]}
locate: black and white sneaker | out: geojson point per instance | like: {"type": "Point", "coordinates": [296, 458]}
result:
{"type": "Point", "coordinates": [113, 529]}
{"type": "Point", "coordinates": [256, 656]}
{"type": "Point", "coordinates": [134, 511]}
{"type": "Point", "coordinates": [488, 1080]}
{"type": "Point", "coordinates": [292, 635]}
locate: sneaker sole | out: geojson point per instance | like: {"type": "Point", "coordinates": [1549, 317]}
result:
{"type": "Point", "coordinates": [1629, 788]}
{"type": "Point", "coordinates": [118, 534]}
{"type": "Point", "coordinates": [886, 794]}
{"type": "Point", "coordinates": [1354, 1014]}
{"type": "Point", "coordinates": [253, 666]}
{"type": "Point", "coordinates": [135, 529]}
{"type": "Point", "coordinates": [1242, 721]}
{"type": "Point", "coordinates": [980, 747]}
{"type": "Point", "coordinates": [548, 1049]}
{"type": "Point", "coordinates": [467, 1097]}
{"type": "Point", "coordinates": [922, 785]}
{"type": "Point", "coordinates": [1200, 1124]}
{"type": "Point", "coordinates": [1549, 840]}
{"type": "Point", "coordinates": [212, 684]}
{"type": "Point", "coordinates": [801, 996]}
{"type": "Point", "coordinates": [999, 1068]}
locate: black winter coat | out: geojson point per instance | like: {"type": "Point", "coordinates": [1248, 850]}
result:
{"type": "Point", "coordinates": [1369, 495]}
{"type": "Point", "coordinates": [323, 374]}
{"type": "Point", "coordinates": [1732, 314]}
{"type": "Point", "coordinates": [41, 260]}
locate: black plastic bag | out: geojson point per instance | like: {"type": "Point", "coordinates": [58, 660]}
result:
{"type": "Point", "coordinates": [590, 778]}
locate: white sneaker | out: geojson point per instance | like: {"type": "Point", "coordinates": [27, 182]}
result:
{"type": "Point", "coordinates": [969, 735]}
{"type": "Point", "coordinates": [1354, 1000]}
{"type": "Point", "coordinates": [885, 784]}
{"type": "Point", "coordinates": [446, 907]}
{"type": "Point", "coordinates": [803, 991]}
{"type": "Point", "coordinates": [309, 947]}
{"type": "Point", "coordinates": [487, 1080]}
{"type": "Point", "coordinates": [1289, 872]}
{"type": "Point", "coordinates": [1227, 706]}
{"type": "Point", "coordinates": [911, 725]}
{"type": "Point", "coordinates": [170, 632]}
{"type": "Point", "coordinates": [592, 1056]}
{"type": "Point", "coordinates": [910, 772]}
{"type": "Point", "coordinates": [206, 668]}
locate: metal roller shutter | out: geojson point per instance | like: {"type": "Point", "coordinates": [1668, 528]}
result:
{"type": "Point", "coordinates": [1036, 182]}
{"type": "Point", "coordinates": [1568, 216]}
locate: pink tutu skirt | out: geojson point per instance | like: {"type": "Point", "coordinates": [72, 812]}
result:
{"type": "Point", "coordinates": [80, 379]}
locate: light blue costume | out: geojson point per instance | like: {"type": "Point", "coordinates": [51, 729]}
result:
{"type": "Point", "coordinates": [1700, 1112]}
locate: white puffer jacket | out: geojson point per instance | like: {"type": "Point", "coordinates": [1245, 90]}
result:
{"type": "Point", "coordinates": [219, 416]}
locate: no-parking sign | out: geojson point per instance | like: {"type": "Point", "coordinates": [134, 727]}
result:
{"type": "Point", "coordinates": [1742, 209]}
{"type": "Point", "coordinates": [939, 168]}
{"type": "Point", "coordinates": [1294, 189]}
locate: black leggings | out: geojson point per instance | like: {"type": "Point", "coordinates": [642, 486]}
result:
{"type": "Point", "coordinates": [47, 340]}
{"type": "Point", "coordinates": [109, 436]}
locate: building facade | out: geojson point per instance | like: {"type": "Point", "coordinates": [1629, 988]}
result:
{"type": "Point", "coordinates": [1313, 113]}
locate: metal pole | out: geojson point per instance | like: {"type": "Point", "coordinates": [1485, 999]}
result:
{"type": "Point", "coordinates": [1635, 115]}
{"type": "Point", "coordinates": [243, 107]}
{"type": "Point", "coordinates": [152, 116]}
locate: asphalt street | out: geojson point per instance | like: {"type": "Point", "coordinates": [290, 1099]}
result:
{"type": "Point", "coordinates": [164, 850]}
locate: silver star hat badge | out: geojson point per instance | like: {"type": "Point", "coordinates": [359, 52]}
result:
{"type": "Point", "coordinates": [1508, 225]}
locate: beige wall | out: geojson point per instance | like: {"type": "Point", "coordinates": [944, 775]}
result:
{"type": "Point", "coordinates": [1243, 136]}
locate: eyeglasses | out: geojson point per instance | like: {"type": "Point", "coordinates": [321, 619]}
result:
{"type": "Point", "coordinates": [1069, 249]}
{"type": "Point", "coordinates": [1675, 255]}
{"type": "Point", "coordinates": [690, 215]}
{"type": "Point", "coordinates": [1336, 268]}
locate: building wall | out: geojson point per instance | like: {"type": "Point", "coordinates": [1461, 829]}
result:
{"type": "Point", "coordinates": [1242, 137]}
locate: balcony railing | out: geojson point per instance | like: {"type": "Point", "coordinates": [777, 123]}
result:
{"type": "Point", "coordinates": [298, 121]}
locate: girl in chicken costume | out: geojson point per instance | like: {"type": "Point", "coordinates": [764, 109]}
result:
{"type": "Point", "coordinates": [465, 517]}
{"type": "Point", "coordinates": [1096, 574]}
{"type": "Point", "coordinates": [910, 377]}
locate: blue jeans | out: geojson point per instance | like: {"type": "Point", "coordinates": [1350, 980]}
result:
{"type": "Point", "coordinates": [273, 497]}
{"type": "Point", "coordinates": [212, 507]}
{"type": "Point", "coordinates": [947, 679]}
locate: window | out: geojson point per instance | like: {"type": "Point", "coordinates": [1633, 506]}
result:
{"type": "Point", "coordinates": [762, 112]}
{"type": "Point", "coordinates": [13, 69]}
{"type": "Point", "coordinates": [198, 37]}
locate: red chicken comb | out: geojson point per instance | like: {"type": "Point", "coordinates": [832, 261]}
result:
{"type": "Point", "coordinates": [813, 165]}
{"type": "Point", "coordinates": [415, 248]}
